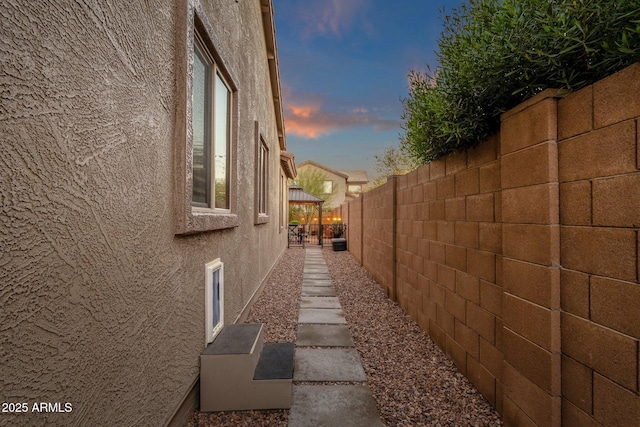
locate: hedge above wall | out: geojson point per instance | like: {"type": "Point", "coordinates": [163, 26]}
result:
{"type": "Point", "coordinates": [494, 54]}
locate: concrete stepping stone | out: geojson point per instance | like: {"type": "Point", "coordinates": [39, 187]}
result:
{"type": "Point", "coordinates": [328, 364]}
{"type": "Point", "coordinates": [324, 336]}
{"type": "Point", "coordinates": [322, 316]}
{"type": "Point", "coordinates": [333, 405]}
{"type": "Point", "coordinates": [318, 291]}
{"type": "Point", "coordinates": [316, 268]}
{"type": "Point", "coordinates": [316, 276]}
{"type": "Point", "coordinates": [322, 274]}
{"type": "Point", "coordinates": [317, 282]}
{"type": "Point", "coordinates": [319, 302]}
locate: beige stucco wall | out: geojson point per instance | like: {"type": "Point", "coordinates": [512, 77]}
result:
{"type": "Point", "coordinates": [102, 305]}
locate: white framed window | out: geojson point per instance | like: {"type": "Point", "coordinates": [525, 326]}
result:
{"type": "Point", "coordinates": [214, 299]}
{"type": "Point", "coordinates": [327, 187]}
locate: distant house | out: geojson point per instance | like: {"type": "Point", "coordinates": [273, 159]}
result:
{"type": "Point", "coordinates": [144, 199]}
{"type": "Point", "coordinates": [348, 184]}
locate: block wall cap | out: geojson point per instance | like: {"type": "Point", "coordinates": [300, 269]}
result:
{"type": "Point", "coordinates": [547, 93]}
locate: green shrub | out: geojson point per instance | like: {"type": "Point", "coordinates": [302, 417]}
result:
{"type": "Point", "coordinates": [494, 54]}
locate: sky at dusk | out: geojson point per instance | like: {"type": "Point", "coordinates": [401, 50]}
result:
{"type": "Point", "coordinates": [343, 69]}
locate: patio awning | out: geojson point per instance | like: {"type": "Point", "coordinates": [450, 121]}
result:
{"type": "Point", "coordinates": [297, 196]}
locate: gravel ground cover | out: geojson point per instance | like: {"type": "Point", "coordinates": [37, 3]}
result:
{"type": "Point", "coordinates": [413, 382]}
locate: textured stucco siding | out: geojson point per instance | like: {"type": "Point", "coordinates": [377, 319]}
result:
{"type": "Point", "coordinates": [102, 306]}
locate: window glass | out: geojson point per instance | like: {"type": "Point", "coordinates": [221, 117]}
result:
{"type": "Point", "coordinates": [263, 157]}
{"type": "Point", "coordinates": [200, 148]}
{"type": "Point", "coordinates": [328, 187]}
{"type": "Point", "coordinates": [221, 149]}
{"type": "Point", "coordinates": [211, 139]}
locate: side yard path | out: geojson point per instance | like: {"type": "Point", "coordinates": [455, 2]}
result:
{"type": "Point", "coordinates": [413, 382]}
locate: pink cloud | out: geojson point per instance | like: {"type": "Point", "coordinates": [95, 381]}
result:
{"type": "Point", "coordinates": [303, 111]}
{"type": "Point", "coordinates": [309, 120]}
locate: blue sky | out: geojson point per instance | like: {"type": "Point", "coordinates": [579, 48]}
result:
{"type": "Point", "coordinates": [343, 69]}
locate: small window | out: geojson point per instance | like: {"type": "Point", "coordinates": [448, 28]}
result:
{"type": "Point", "coordinates": [355, 189]}
{"type": "Point", "coordinates": [282, 200]}
{"type": "Point", "coordinates": [328, 187]}
{"type": "Point", "coordinates": [263, 177]}
{"type": "Point", "coordinates": [214, 299]}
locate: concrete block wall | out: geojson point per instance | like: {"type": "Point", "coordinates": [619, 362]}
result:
{"type": "Point", "coordinates": [599, 182]}
{"type": "Point", "coordinates": [520, 257]}
{"type": "Point", "coordinates": [378, 234]}
{"type": "Point", "coordinates": [449, 251]}
{"type": "Point", "coordinates": [531, 263]}
{"type": "Point", "coordinates": [353, 215]}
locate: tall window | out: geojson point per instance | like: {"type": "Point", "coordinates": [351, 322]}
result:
{"type": "Point", "coordinates": [327, 187]}
{"type": "Point", "coordinates": [211, 132]}
{"type": "Point", "coordinates": [206, 131]}
{"type": "Point", "coordinates": [263, 177]}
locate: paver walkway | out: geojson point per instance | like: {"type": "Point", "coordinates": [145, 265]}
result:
{"type": "Point", "coordinates": [325, 353]}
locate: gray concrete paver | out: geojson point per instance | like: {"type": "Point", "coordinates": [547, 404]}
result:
{"type": "Point", "coordinates": [324, 316]}
{"type": "Point", "coordinates": [318, 291]}
{"type": "Point", "coordinates": [328, 364]}
{"type": "Point", "coordinates": [333, 405]}
{"type": "Point", "coordinates": [325, 351]}
{"type": "Point", "coordinates": [317, 282]}
{"type": "Point", "coordinates": [324, 336]}
{"type": "Point", "coordinates": [319, 302]}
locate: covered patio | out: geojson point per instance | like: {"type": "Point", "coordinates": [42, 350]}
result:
{"type": "Point", "coordinates": [303, 232]}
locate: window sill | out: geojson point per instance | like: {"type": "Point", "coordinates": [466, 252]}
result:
{"type": "Point", "coordinates": [202, 220]}
{"type": "Point", "coordinates": [262, 219]}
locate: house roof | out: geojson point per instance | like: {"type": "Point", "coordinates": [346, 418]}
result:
{"type": "Point", "coordinates": [328, 169]}
{"type": "Point", "coordinates": [287, 161]}
{"type": "Point", "coordinates": [357, 176]}
{"type": "Point", "coordinates": [274, 72]}
{"type": "Point", "coordinates": [352, 176]}
{"type": "Point", "coordinates": [298, 196]}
